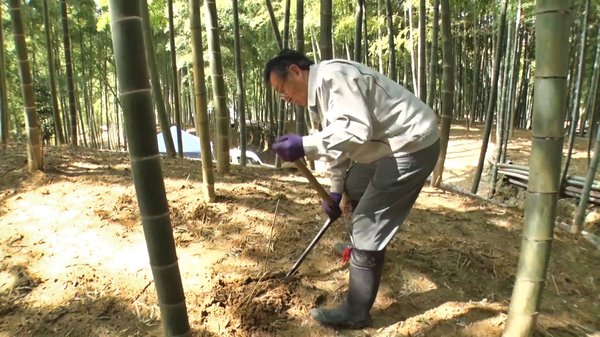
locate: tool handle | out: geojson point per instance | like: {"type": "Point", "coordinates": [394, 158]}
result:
{"type": "Point", "coordinates": [310, 247]}
{"type": "Point", "coordinates": [314, 182]}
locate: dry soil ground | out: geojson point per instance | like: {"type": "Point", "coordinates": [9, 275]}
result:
{"type": "Point", "coordinates": [73, 259]}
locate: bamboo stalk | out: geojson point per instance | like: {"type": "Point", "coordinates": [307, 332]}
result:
{"type": "Point", "coordinates": [578, 196]}
{"type": "Point", "coordinates": [512, 171]}
{"type": "Point", "coordinates": [578, 181]}
{"type": "Point", "coordinates": [514, 174]}
{"type": "Point", "coordinates": [518, 182]}
{"type": "Point", "coordinates": [136, 98]}
{"type": "Point", "coordinates": [507, 165]}
{"type": "Point", "coordinates": [595, 194]}
{"type": "Point", "coordinates": [523, 171]}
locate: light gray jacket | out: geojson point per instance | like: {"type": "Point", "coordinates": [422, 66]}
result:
{"type": "Point", "coordinates": [365, 116]}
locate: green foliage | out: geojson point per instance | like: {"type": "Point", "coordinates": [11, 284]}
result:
{"type": "Point", "coordinates": [43, 107]}
{"type": "Point", "coordinates": [91, 40]}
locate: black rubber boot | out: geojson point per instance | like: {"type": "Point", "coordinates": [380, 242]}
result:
{"type": "Point", "coordinates": [365, 276]}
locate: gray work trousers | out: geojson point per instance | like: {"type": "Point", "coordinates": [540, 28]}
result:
{"type": "Point", "coordinates": [383, 192]}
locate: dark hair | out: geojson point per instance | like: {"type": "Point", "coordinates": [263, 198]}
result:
{"type": "Point", "coordinates": [280, 63]}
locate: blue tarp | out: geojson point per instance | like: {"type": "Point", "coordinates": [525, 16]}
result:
{"type": "Point", "coordinates": [191, 143]}
{"type": "Point", "coordinates": [191, 148]}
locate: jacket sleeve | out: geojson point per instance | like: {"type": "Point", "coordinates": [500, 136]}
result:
{"type": "Point", "coordinates": [347, 119]}
{"type": "Point", "coordinates": [337, 174]}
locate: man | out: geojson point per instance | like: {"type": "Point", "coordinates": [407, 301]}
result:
{"type": "Point", "coordinates": [381, 143]}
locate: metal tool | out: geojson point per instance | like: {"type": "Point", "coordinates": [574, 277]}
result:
{"type": "Point", "coordinates": [327, 198]}
{"type": "Point", "coordinates": [310, 247]}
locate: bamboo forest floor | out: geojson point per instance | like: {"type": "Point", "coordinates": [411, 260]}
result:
{"type": "Point", "coordinates": [73, 259]}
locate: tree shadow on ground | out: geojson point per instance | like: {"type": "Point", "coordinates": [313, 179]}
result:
{"type": "Point", "coordinates": [77, 316]}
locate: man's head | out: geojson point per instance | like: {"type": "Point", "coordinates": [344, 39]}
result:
{"type": "Point", "coordinates": [288, 75]}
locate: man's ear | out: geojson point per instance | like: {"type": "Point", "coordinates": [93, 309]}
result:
{"type": "Point", "coordinates": [295, 69]}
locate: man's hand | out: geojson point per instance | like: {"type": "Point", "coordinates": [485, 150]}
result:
{"type": "Point", "coordinates": [289, 147]}
{"type": "Point", "coordinates": [333, 211]}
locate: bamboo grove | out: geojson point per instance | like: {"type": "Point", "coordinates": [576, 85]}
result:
{"type": "Point", "coordinates": [474, 62]}
{"type": "Point", "coordinates": [80, 67]}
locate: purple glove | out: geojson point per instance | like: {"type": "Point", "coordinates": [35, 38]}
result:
{"type": "Point", "coordinates": [334, 211]}
{"type": "Point", "coordinates": [289, 147]}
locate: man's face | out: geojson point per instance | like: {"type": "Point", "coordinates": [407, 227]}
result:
{"type": "Point", "coordinates": [292, 86]}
